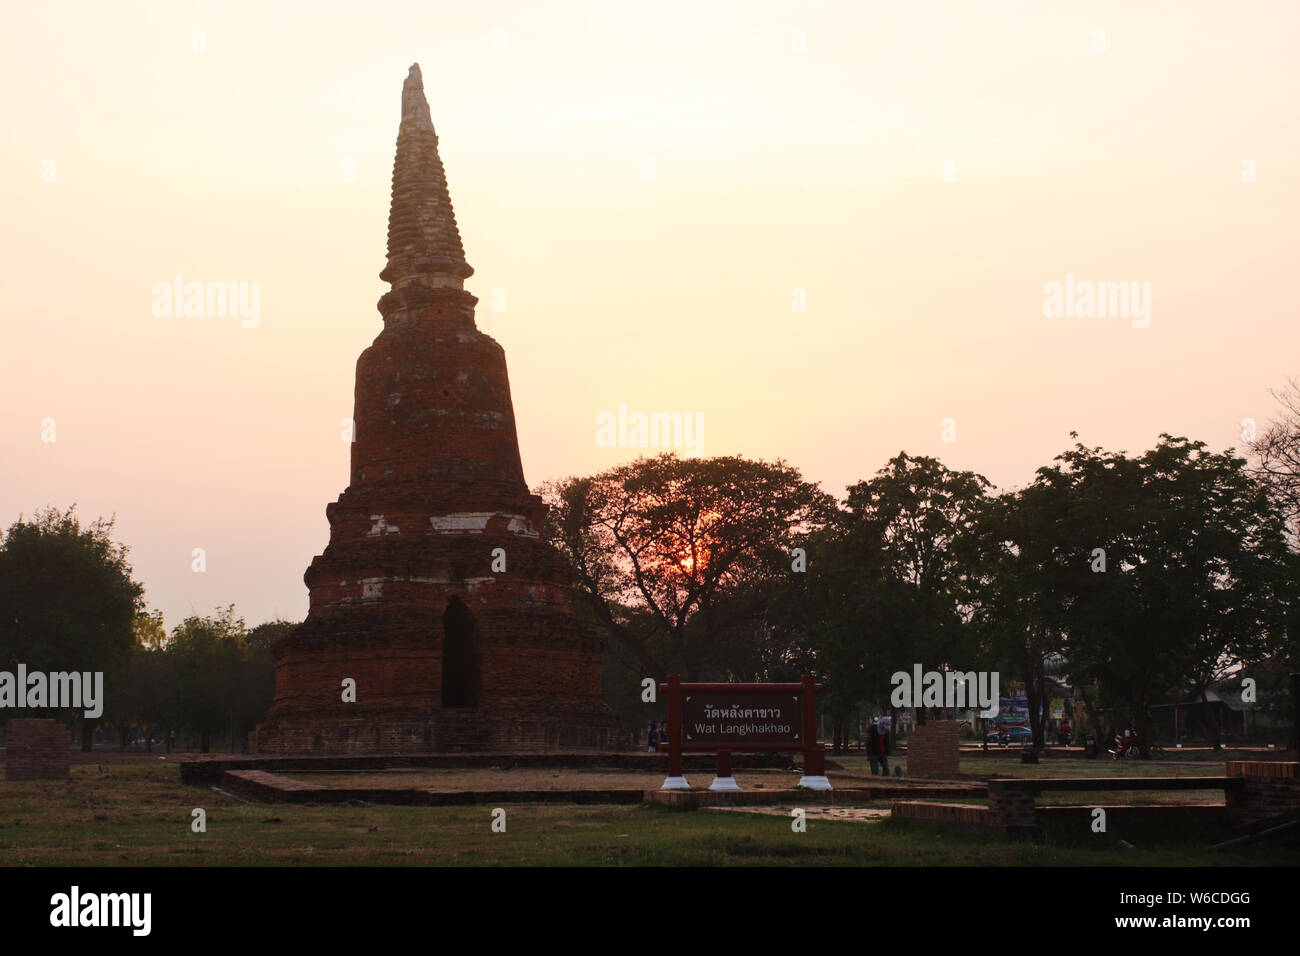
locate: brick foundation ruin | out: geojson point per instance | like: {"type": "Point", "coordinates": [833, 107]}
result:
{"type": "Point", "coordinates": [934, 750]}
{"type": "Point", "coordinates": [436, 593]}
{"type": "Point", "coordinates": [1268, 789]}
{"type": "Point", "coordinates": [37, 749]}
{"type": "Point", "coordinates": [1254, 791]}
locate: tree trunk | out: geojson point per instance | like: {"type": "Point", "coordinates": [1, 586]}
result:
{"type": "Point", "coordinates": [1034, 697]}
{"type": "Point", "coordinates": [1142, 726]}
{"type": "Point", "coordinates": [1044, 709]}
{"type": "Point", "coordinates": [1211, 720]}
{"type": "Point", "coordinates": [1293, 741]}
{"type": "Point", "coordinates": [1094, 720]}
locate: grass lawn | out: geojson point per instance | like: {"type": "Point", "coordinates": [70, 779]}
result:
{"type": "Point", "coordinates": [139, 813]}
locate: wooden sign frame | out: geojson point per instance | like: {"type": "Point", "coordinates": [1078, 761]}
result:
{"type": "Point", "coordinates": [814, 753]}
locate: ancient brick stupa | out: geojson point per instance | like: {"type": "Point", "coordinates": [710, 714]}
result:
{"type": "Point", "coordinates": [435, 594]}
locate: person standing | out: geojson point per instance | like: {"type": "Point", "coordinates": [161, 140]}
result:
{"type": "Point", "coordinates": [876, 751]}
{"type": "Point", "coordinates": [654, 736]}
{"type": "Point", "coordinates": [884, 745]}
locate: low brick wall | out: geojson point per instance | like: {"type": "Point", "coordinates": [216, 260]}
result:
{"type": "Point", "coordinates": [1270, 789]}
{"type": "Point", "coordinates": [1011, 811]}
{"type": "Point", "coordinates": [1011, 821]}
{"type": "Point", "coordinates": [1124, 815]}
{"type": "Point", "coordinates": [262, 787]}
{"type": "Point", "coordinates": [37, 749]}
{"type": "Point", "coordinates": [435, 733]}
{"type": "Point", "coordinates": [953, 816]}
{"type": "Point", "coordinates": [934, 750]}
{"type": "Point", "coordinates": [844, 796]}
{"type": "Point", "coordinates": [204, 770]}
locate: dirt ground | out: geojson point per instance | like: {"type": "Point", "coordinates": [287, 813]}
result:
{"type": "Point", "coordinates": [867, 814]}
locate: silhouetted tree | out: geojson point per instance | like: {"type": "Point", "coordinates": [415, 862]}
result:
{"type": "Point", "coordinates": [67, 598]}
{"type": "Point", "coordinates": [1195, 566]}
{"type": "Point", "coordinates": [1278, 451]}
{"type": "Point", "coordinates": [921, 513]}
{"type": "Point", "coordinates": [207, 655]}
{"type": "Point", "coordinates": [680, 558]}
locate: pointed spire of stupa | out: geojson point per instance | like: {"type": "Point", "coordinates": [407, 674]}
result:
{"type": "Point", "coordinates": [423, 242]}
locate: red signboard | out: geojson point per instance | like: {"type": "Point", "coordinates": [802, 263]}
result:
{"type": "Point", "coordinates": [727, 718]}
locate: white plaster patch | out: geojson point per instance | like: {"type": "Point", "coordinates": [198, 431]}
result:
{"type": "Point", "coordinates": [474, 522]}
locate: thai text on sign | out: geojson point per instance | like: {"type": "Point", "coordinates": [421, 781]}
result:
{"type": "Point", "coordinates": [720, 719]}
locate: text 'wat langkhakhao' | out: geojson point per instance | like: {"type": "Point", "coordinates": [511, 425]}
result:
{"type": "Point", "coordinates": [447, 651]}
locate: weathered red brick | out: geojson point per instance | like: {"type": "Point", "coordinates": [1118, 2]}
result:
{"type": "Point", "coordinates": [37, 749]}
{"type": "Point", "coordinates": [436, 486]}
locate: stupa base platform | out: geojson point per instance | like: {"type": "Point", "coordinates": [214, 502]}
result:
{"type": "Point", "coordinates": [446, 731]}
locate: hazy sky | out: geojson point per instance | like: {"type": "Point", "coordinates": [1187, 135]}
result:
{"type": "Point", "coordinates": [647, 186]}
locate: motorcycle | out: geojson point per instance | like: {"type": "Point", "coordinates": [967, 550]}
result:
{"type": "Point", "coordinates": [1124, 748]}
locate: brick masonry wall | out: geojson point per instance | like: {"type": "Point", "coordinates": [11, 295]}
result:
{"type": "Point", "coordinates": [1011, 811]}
{"type": "Point", "coordinates": [37, 749]}
{"type": "Point", "coordinates": [448, 731]}
{"type": "Point", "coordinates": [209, 769]}
{"type": "Point", "coordinates": [1120, 816]}
{"type": "Point", "coordinates": [437, 490]}
{"type": "Point", "coordinates": [1268, 789]}
{"type": "Point", "coordinates": [952, 815]}
{"type": "Point", "coordinates": [1011, 818]}
{"type": "Point", "coordinates": [409, 589]}
{"type": "Point", "coordinates": [933, 750]}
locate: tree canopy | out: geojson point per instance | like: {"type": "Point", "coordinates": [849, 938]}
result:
{"type": "Point", "coordinates": [67, 597]}
{"type": "Point", "coordinates": [678, 558]}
